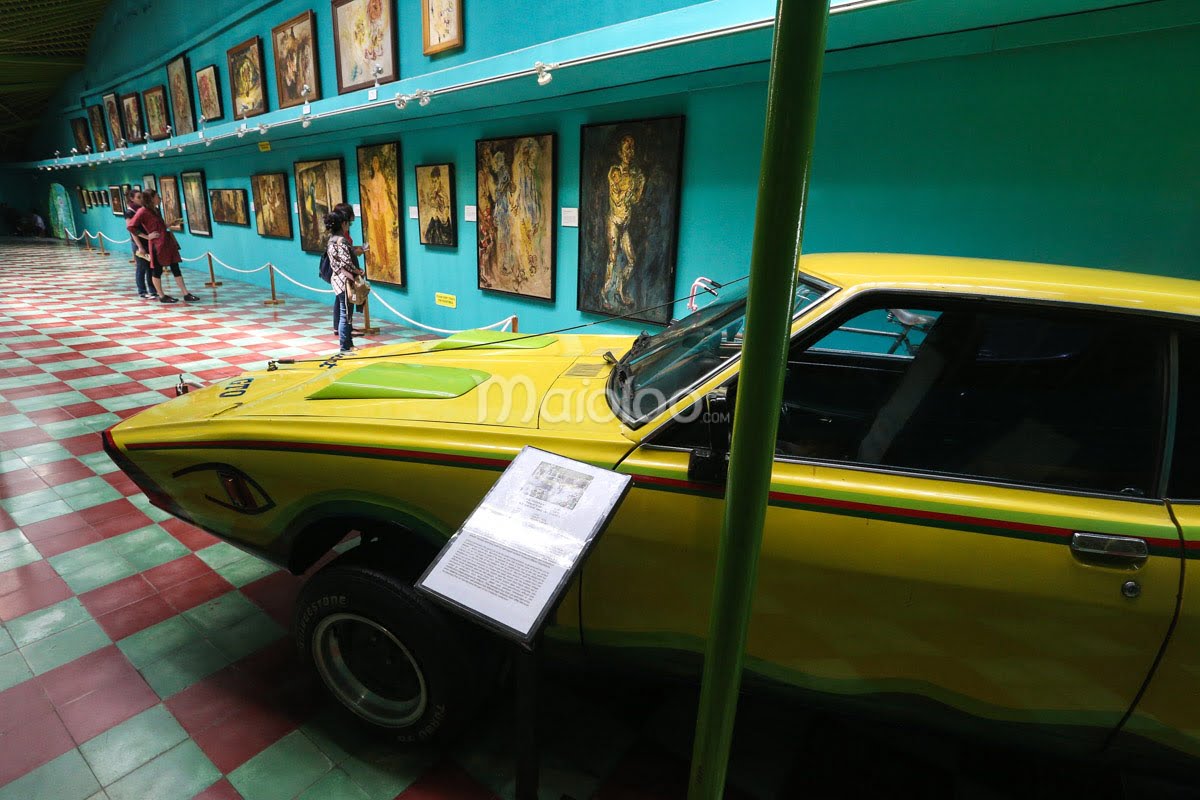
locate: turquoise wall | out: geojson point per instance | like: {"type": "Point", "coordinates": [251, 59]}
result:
{"type": "Point", "coordinates": [1076, 152]}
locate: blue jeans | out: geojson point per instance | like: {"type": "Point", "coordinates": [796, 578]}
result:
{"type": "Point", "coordinates": [143, 276]}
{"type": "Point", "coordinates": [343, 319]}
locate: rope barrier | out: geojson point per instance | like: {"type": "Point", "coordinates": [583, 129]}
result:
{"type": "Point", "coordinates": [501, 325]}
{"type": "Point", "coordinates": [197, 258]}
{"type": "Point", "coordinates": [111, 240]}
{"type": "Point", "coordinates": [241, 271]}
{"type": "Point", "coordinates": [298, 283]}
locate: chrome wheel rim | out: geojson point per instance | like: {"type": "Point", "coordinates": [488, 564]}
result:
{"type": "Point", "coordinates": [369, 670]}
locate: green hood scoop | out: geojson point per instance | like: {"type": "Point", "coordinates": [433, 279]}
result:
{"type": "Point", "coordinates": [389, 381]}
{"type": "Point", "coordinates": [495, 340]}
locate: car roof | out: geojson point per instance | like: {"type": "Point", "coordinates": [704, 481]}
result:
{"type": "Point", "coordinates": [980, 276]}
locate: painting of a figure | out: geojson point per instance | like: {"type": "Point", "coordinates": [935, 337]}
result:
{"type": "Point", "coordinates": [150, 182]}
{"type": "Point", "coordinates": [210, 93]}
{"type": "Point", "coordinates": [96, 122]}
{"type": "Point", "coordinates": [171, 208]}
{"type": "Point", "coordinates": [246, 85]}
{"type": "Point", "coordinates": [179, 84]}
{"type": "Point", "coordinates": [271, 212]}
{"type": "Point", "coordinates": [515, 225]}
{"type": "Point", "coordinates": [320, 185]}
{"type": "Point", "coordinates": [195, 198]}
{"type": "Point", "coordinates": [629, 178]}
{"type": "Point", "coordinates": [229, 206]}
{"type": "Point", "coordinates": [296, 60]}
{"type": "Point", "coordinates": [131, 112]}
{"type": "Point", "coordinates": [79, 132]}
{"type": "Point", "coordinates": [379, 196]}
{"type": "Point", "coordinates": [156, 113]}
{"type": "Point", "coordinates": [112, 110]}
{"type": "Point", "coordinates": [364, 35]}
{"type": "Point", "coordinates": [441, 25]}
{"type": "Point", "coordinates": [115, 201]}
{"type": "Point", "coordinates": [435, 205]}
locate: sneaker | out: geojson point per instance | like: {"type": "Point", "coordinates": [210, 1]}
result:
{"type": "Point", "coordinates": [166, 298]}
{"type": "Point", "coordinates": [346, 350]}
{"type": "Point", "coordinates": [147, 296]}
{"type": "Point", "coordinates": [191, 298]}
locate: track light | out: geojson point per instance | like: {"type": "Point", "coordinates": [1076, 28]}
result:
{"type": "Point", "coordinates": [423, 97]}
{"type": "Point", "coordinates": [401, 101]}
{"type": "Point", "coordinates": [543, 72]}
{"type": "Point", "coordinates": [262, 128]}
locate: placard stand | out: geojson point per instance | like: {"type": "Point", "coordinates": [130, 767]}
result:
{"type": "Point", "coordinates": [508, 566]}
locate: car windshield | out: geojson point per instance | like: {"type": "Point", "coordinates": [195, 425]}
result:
{"type": "Point", "coordinates": [659, 368]}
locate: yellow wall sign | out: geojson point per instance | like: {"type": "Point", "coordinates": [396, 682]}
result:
{"type": "Point", "coordinates": [264, 147]}
{"type": "Point", "coordinates": [447, 300]}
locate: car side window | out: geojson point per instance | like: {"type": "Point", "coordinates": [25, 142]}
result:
{"type": "Point", "coordinates": [1185, 464]}
{"type": "Point", "coordinates": [1022, 395]}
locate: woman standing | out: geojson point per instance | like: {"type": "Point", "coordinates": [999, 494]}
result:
{"type": "Point", "coordinates": [341, 263]}
{"type": "Point", "coordinates": [164, 250]}
{"type": "Point", "coordinates": [339, 308]}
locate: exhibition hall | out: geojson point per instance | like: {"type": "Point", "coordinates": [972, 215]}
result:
{"type": "Point", "coordinates": [620, 400]}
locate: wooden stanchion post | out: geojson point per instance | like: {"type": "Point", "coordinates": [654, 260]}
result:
{"type": "Point", "coordinates": [367, 330]}
{"type": "Point", "coordinates": [87, 240]}
{"type": "Point", "coordinates": [100, 239]}
{"type": "Point", "coordinates": [274, 301]}
{"type": "Point", "coordinates": [514, 325]}
{"type": "Point", "coordinates": [212, 276]}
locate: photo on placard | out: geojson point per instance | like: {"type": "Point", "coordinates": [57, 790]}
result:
{"type": "Point", "coordinates": [169, 205]}
{"type": "Point", "coordinates": [441, 25]}
{"type": "Point", "coordinates": [294, 43]}
{"type": "Point", "coordinates": [272, 212]}
{"type": "Point", "coordinates": [229, 206]}
{"type": "Point", "coordinates": [112, 110]}
{"type": "Point", "coordinates": [320, 185]}
{"type": "Point", "coordinates": [364, 35]}
{"type": "Point", "coordinates": [149, 182]}
{"type": "Point", "coordinates": [96, 122]}
{"type": "Point", "coordinates": [115, 198]}
{"type": "Point", "coordinates": [209, 90]}
{"type": "Point", "coordinates": [436, 218]}
{"type": "Point", "coordinates": [379, 197]}
{"type": "Point", "coordinates": [157, 116]}
{"type": "Point", "coordinates": [79, 133]}
{"type": "Point", "coordinates": [515, 229]}
{"type": "Point", "coordinates": [246, 84]}
{"type": "Point", "coordinates": [179, 84]}
{"type": "Point", "coordinates": [131, 115]}
{"type": "Point", "coordinates": [629, 182]}
{"type": "Point", "coordinates": [195, 198]}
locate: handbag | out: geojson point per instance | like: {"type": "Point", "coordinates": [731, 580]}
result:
{"type": "Point", "coordinates": [357, 291]}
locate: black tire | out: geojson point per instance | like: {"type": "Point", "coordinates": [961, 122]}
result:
{"type": "Point", "coordinates": [357, 621]}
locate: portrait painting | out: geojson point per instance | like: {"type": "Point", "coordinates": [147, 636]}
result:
{"type": "Point", "coordinates": [157, 117]}
{"type": "Point", "coordinates": [149, 182]}
{"type": "Point", "coordinates": [179, 84]}
{"type": "Point", "coordinates": [195, 201]}
{"type": "Point", "coordinates": [169, 205]}
{"type": "Point", "coordinates": [246, 85]}
{"type": "Point", "coordinates": [364, 35]}
{"type": "Point", "coordinates": [229, 206]}
{"type": "Point", "coordinates": [112, 110]}
{"type": "Point", "coordinates": [320, 185]}
{"type": "Point", "coordinates": [435, 205]}
{"type": "Point", "coordinates": [209, 91]}
{"type": "Point", "coordinates": [272, 214]}
{"type": "Point", "coordinates": [379, 196]}
{"type": "Point", "coordinates": [114, 200]}
{"type": "Point", "coordinates": [514, 196]}
{"type": "Point", "coordinates": [294, 43]}
{"type": "Point", "coordinates": [131, 115]}
{"type": "Point", "coordinates": [629, 181]}
{"type": "Point", "coordinates": [126, 193]}
{"type": "Point", "coordinates": [96, 122]}
{"type": "Point", "coordinates": [441, 25]}
{"type": "Point", "coordinates": [80, 135]}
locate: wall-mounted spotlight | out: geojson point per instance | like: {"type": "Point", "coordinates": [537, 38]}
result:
{"type": "Point", "coordinates": [377, 70]}
{"type": "Point", "coordinates": [544, 75]}
{"type": "Point", "coordinates": [423, 97]}
{"type": "Point", "coordinates": [401, 101]}
{"type": "Point", "coordinates": [262, 128]}
{"type": "Point", "coordinates": [241, 131]}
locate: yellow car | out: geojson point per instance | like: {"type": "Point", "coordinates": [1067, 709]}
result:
{"type": "Point", "coordinates": [982, 513]}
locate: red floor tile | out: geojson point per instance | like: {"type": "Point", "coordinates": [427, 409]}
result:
{"type": "Point", "coordinates": [26, 576]}
{"type": "Point", "coordinates": [23, 437]}
{"type": "Point", "coordinates": [70, 540]}
{"type": "Point", "coordinates": [116, 595]}
{"type": "Point", "coordinates": [216, 697]}
{"type": "Point", "coordinates": [6, 522]}
{"type": "Point", "coordinates": [135, 617]}
{"type": "Point", "coordinates": [115, 526]}
{"type": "Point", "coordinates": [77, 472]}
{"type": "Point", "coordinates": [221, 790]}
{"type": "Point", "coordinates": [95, 713]}
{"type": "Point", "coordinates": [275, 594]}
{"type": "Point", "coordinates": [190, 594]}
{"type": "Point", "coordinates": [15, 485]}
{"type": "Point", "coordinates": [31, 598]}
{"type": "Point", "coordinates": [22, 702]}
{"type": "Point", "coordinates": [113, 508]}
{"type": "Point", "coordinates": [81, 410]}
{"type": "Point", "coordinates": [175, 572]}
{"type": "Point", "coordinates": [31, 744]}
{"type": "Point", "coordinates": [46, 415]}
{"type": "Point", "coordinates": [447, 781]}
{"type": "Point", "coordinates": [55, 526]}
{"type": "Point", "coordinates": [188, 535]}
{"type": "Point", "coordinates": [239, 737]}
{"type": "Point", "coordinates": [24, 392]}
{"type": "Point", "coordinates": [84, 444]}
{"type": "Point", "coordinates": [84, 675]}
{"type": "Point", "coordinates": [65, 465]}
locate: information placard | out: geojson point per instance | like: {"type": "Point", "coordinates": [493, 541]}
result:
{"type": "Point", "coordinates": [510, 562]}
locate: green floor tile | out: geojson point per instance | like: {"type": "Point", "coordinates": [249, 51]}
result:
{"type": "Point", "coordinates": [15, 422]}
{"type": "Point", "coordinates": [387, 772]}
{"type": "Point", "coordinates": [28, 516]}
{"type": "Point", "coordinates": [221, 612]}
{"type": "Point", "coordinates": [179, 669]}
{"type": "Point", "coordinates": [7, 645]}
{"type": "Point", "coordinates": [100, 463]}
{"type": "Point", "coordinates": [248, 570]}
{"type": "Point", "coordinates": [336, 785]}
{"type": "Point", "coordinates": [125, 747]}
{"type": "Point", "coordinates": [178, 774]}
{"type": "Point", "coordinates": [42, 453]}
{"type": "Point", "coordinates": [59, 648]}
{"type": "Point", "coordinates": [81, 486]}
{"type": "Point", "coordinates": [281, 771]}
{"type": "Point", "coordinates": [11, 539]}
{"type": "Point", "coordinates": [44, 401]}
{"type": "Point", "coordinates": [220, 555]}
{"type": "Point", "coordinates": [93, 381]}
{"type": "Point", "coordinates": [141, 538]}
{"type": "Point", "coordinates": [13, 670]}
{"type": "Point", "coordinates": [250, 634]}
{"type": "Point", "coordinates": [65, 778]}
{"type": "Point", "coordinates": [37, 497]}
{"type": "Point", "coordinates": [18, 557]}
{"type": "Point", "coordinates": [96, 497]}
{"type": "Point", "coordinates": [99, 574]}
{"type": "Point", "coordinates": [80, 557]}
{"type": "Point", "coordinates": [157, 554]}
{"type": "Point", "coordinates": [66, 429]}
{"type": "Point", "coordinates": [145, 647]}
{"type": "Point", "coordinates": [50, 620]}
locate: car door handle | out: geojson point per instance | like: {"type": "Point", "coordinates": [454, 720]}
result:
{"type": "Point", "coordinates": [1108, 547]}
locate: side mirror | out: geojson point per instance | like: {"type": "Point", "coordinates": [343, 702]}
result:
{"type": "Point", "coordinates": [710, 464]}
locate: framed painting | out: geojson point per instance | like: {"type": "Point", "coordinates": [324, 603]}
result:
{"type": "Point", "coordinates": [96, 121]}
{"type": "Point", "coordinates": [158, 125]}
{"type": "Point", "coordinates": [364, 36]}
{"type": "Point", "coordinates": [515, 231]}
{"type": "Point", "coordinates": [209, 90]}
{"type": "Point", "coordinates": [149, 182]}
{"type": "Point", "coordinates": [114, 198]}
{"type": "Point", "coordinates": [83, 198]}
{"type": "Point", "coordinates": [320, 185]}
{"type": "Point", "coordinates": [179, 84]}
{"type": "Point", "coordinates": [379, 196]}
{"type": "Point", "coordinates": [246, 84]}
{"type": "Point", "coordinates": [112, 110]}
{"type": "Point", "coordinates": [294, 43]}
{"type": "Point", "coordinates": [91, 195]}
{"type": "Point", "coordinates": [126, 192]}
{"type": "Point", "coordinates": [441, 25]}
{"type": "Point", "coordinates": [436, 218]}
{"type": "Point", "coordinates": [172, 210]}
{"type": "Point", "coordinates": [195, 201]}
{"type": "Point", "coordinates": [80, 135]}
{"type": "Point", "coordinates": [229, 206]}
{"type": "Point", "coordinates": [629, 183]}
{"type": "Point", "coordinates": [131, 114]}
{"type": "Point", "coordinates": [271, 212]}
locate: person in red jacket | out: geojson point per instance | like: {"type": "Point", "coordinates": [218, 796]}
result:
{"type": "Point", "coordinates": [161, 244]}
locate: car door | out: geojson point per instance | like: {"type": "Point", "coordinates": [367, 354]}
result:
{"type": "Point", "coordinates": [970, 519]}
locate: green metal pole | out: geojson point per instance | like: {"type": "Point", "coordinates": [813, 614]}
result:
{"type": "Point", "coordinates": [792, 93]}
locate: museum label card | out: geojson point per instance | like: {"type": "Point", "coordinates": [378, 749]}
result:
{"type": "Point", "coordinates": [510, 562]}
{"type": "Point", "coordinates": [570, 217]}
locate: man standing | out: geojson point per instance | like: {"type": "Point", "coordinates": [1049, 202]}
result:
{"type": "Point", "coordinates": [133, 201]}
{"type": "Point", "coordinates": [626, 185]}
